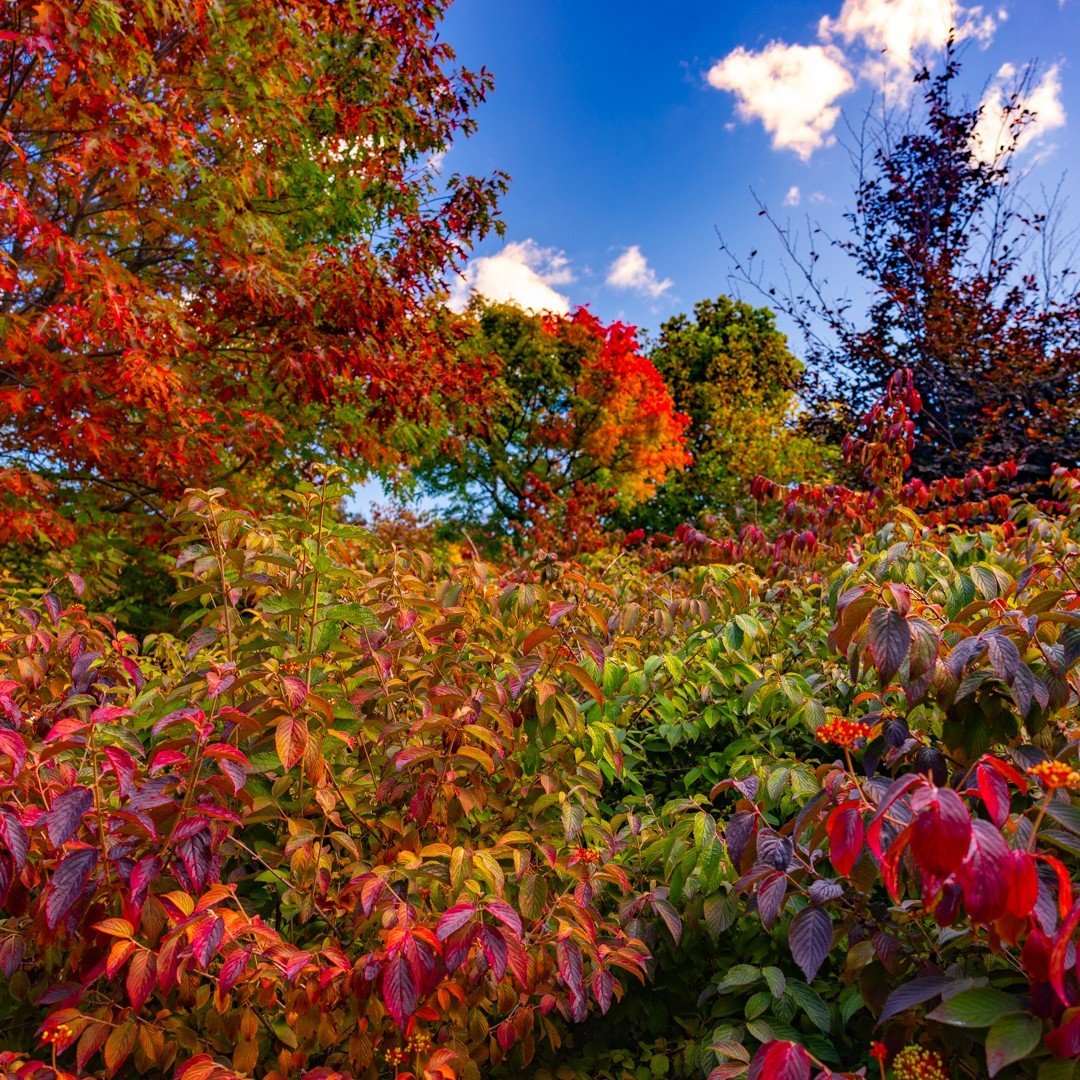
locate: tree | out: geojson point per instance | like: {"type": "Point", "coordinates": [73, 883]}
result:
{"type": "Point", "coordinates": [963, 289]}
{"type": "Point", "coordinates": [730, 370]}
{"type": "Point", "coordinates": [580, 423]}
{"type": "Point", "coordinates": [221, 244]}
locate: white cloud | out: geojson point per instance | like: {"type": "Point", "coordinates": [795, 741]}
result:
{"type": "Point", "coordinates": [631, 271]}
{"type": "Point", "coordinates": [1043, 101]}
{"type": "Point", "coordinates": [794, 196]}
{"type": "Point", "coordinates": [791, 89]}
{"type": "Point", "coordinates": [523, 273]}
{"type": "Point", "coordinates": [899, 32]}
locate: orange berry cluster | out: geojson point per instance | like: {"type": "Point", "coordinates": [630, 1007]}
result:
{"type": "Point", "coordinates": [843, 732]}
{"type": "Point", "coordinates": [586, 855]}
{"type": "Point", "coordinates": [396, 1056]}
{"type": "Point", "coordinates": [1054, 775]}
{"type": "Point", "coordinates": [420, 1043]}
{"type": "Point", "coordinates": [56, 1034]}
{"type": "Point", "coordinates": [915, 1063]}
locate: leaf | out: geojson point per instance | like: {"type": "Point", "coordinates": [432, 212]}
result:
{"type": "Point", "coordinates": [290, 740]}
{"type": "Point", "coordinates": [68, 884]}
{"type": "Point", "coordinates": [140, 978]}
{"type": "Point", "coordinates": [844, 826]}
{"type": "Point", "coordinates": [585, 681]}
{"type": "Point", "coordinates": [671, 918]}
{"type": "Point", "coordinates": [912, 993]}
{"type": "Point", "coordinates": [770, 897]}
{"type": "Point", "coordinates": [1010, 1039]}
{"type": "Point", "coordinates": [66, 813]}
{"type": "Point", "coordinates": [356, 614]}
{"type": "Point", "coordinates": [994, 793]}
{"type": "Point", "coordinates": [14, 836]}
{"type": "Point", "coordinates": [569, 959]}
{"type": "Point", "coordinates": [775, 980]}
{"type": "Point", "coordinates": [810, 939]}
{"type": "Point", "coordinates": [206, 939]}
{"type": "Point", "coordinates": [118, 928]}
{"type": "Point", "coordinates": [780, 1061]}
{"type": "Point", "coordinates": [453, 919]}
{"type": "Point", "coordinates": [889, 639]}
{"type": "Point", "coordinates": [737, 976]}
{"type": "Point", "coordinates": [119, 1044]}
{"type": "Point", "coordinates": [536, 637]}
{"type": "Point", "coordinates": [976, 1008]}
{"type": "Point", "coordinates": [941, 834]}
{"type": "Point", "coordinates": [399, 992]}
{"type": "Point", "coordinates": [506, 915]}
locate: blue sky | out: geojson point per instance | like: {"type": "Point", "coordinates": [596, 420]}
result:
{"type": "Point", "coordinates": [634, 131]}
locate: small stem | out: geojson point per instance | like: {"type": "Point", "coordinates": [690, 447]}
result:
{"type": "Point", "coordinates": [1038, 821]}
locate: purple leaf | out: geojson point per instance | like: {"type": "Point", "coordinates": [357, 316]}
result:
{"type": "Point", "coordinates": [911, 994]}
{"type": "Point", "coordinates": [68, 884]}
{"type": "Point", "coordinates": [66, 814]}
{"type": "Point", "coordinates": [14, 836]}
{"type": "Point", "coordinates": [810, 939]}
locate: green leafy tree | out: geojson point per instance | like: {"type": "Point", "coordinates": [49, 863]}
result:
{"type": "Point", "coordinates": [731, 371]}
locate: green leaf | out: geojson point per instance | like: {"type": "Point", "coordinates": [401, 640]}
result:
{"type": "Point", "coordinates": [775, 978]}
{"type": "Point", "coordinates": [811, 1004]}
{"type": "Point", "coordinates": [1010, 1039]}
{"type": "Point", "coordinates": [739, 975]}
{"type": "Point", "coordinates": [1058, 1070]}
{"type": "Point", "coordinates": [356, 614]}
{"type": "Point", "coordinates": [976, 1008]}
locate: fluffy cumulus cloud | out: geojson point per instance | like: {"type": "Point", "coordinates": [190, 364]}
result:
{"type": "Point", "coordinates": [794, 196]}
{"type": "Point", "coordinates": [1042, 101]}
{"type": "Point", "coordinates": [791, 89]}
{"type": "Point", "coordinates": [897, 34]}
{"type": "Point", "coordinates": [794, 89]}
{"type": "Point", "coordinates": [523, 273]}
{"type": "Point", "coordinates": [631, 271]}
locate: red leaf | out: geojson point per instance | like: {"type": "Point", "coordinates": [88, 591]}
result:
{"type": "Point", "coordinates": [941, 834]}
{"type": "Point", "coordinates": [206, 939]}
{"type": "Point", "coordinates": [994, 793]}
{"type": "Point", "coordinates": [1023, 884]}
{"type": "Point", "coordinates": [454, 919]}
{"type": "Point", "coordinates": [11, 744]}
{"type": "Point", "coordinates": [506, 915]}
{"type": "Point", "coordinates": [1064, 1041]}
{"type": "Point", "coordinates": [568, 956]}
{"type": "Point", "coordinates": [234, 966]}
{"type": "Point", "coordinates": [290, 740]}
{"type": "Point", "coordinates": [1059, 954]}
{"type": "Point", "coordinates": [123, 765]}
{"type": "Point", "coordinates": [846, 833]}
{"type": "Point", "coordinates": [398, 988]}
{"type": "Point", "coordinates": [780, 1061]}
{"type": "Point", "coordinates": [495, 950]}
{"type": "Point", "coordinates": [984, 874]}
{"type": "Point", "coordinates": [603, 983]}
{"type": "Point", "coordinates": [140, 978]}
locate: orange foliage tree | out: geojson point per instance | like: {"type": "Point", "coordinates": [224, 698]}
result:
{"type": "Point", "coordinates": [220, 241]}
{"type": "Point", "coordinates": [580, 423]}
